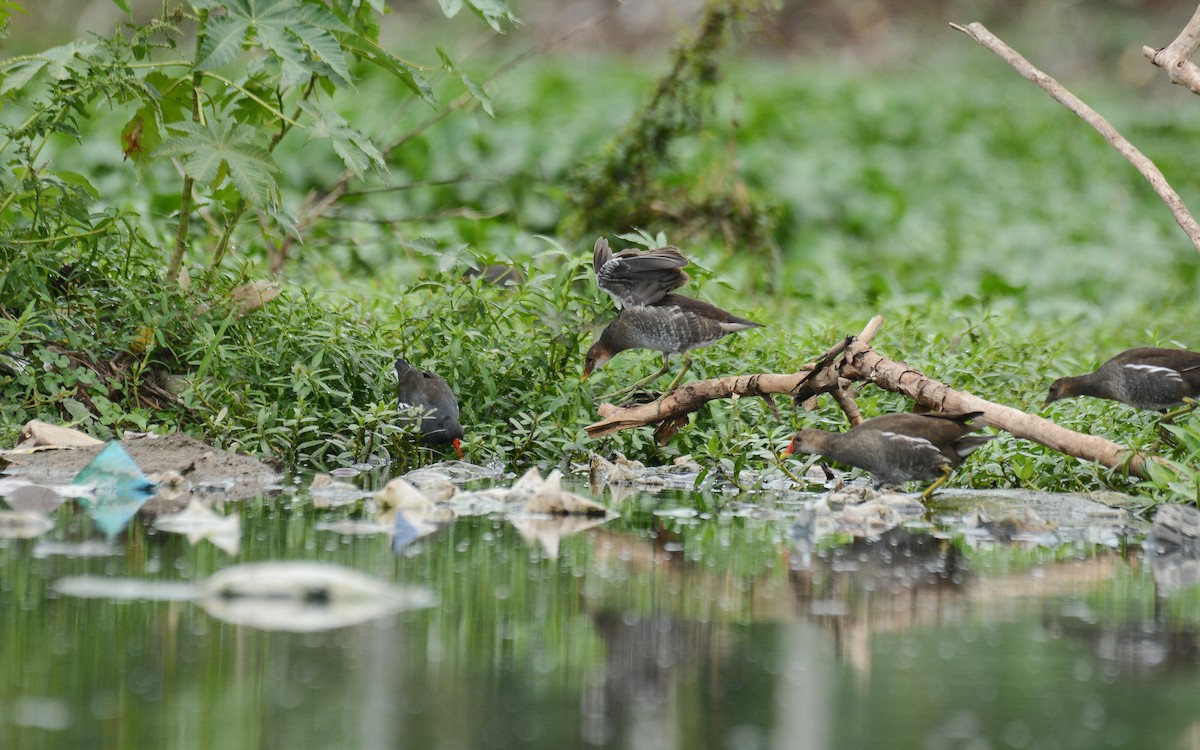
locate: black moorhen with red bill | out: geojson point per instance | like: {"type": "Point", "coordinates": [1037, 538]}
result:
{"type": "Point", "coordinates": [898, 448]}
{"type": "Point", "coordinates": [426, 396]}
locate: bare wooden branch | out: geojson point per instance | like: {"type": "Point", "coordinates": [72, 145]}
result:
{"type": "Point", "coordinates": [1140, 161]}
{"type": "Point", "coordinates": [848, 404]}
{"type": "Point", "coordinates": [862, 363]}
{"type": "Point", "coordinates": [1176, 58]}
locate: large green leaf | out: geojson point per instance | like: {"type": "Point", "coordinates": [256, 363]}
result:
{"type": "Point", "coordinates": [354, 148]}
{"type": "Point", "coordinates": [209, 151]}
{"type": "Point", "coordinates": [298, 33]}
{"type": "Point", "coordinates": [223, 40]}
{"type": "Point", "coordinates": [58, 62]}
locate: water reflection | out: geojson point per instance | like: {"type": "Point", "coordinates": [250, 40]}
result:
{"type": "Point", "coordinates": [729, 627]}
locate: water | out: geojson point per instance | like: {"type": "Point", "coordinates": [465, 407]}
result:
{"type": "Point", "coordinates": [664, 629]}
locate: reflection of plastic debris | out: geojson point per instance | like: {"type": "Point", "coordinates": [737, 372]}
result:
{"type": "Point", "coordinates": [89, 548]}
{"type": "Point", "coordinates": [19, 524]}
{"type": "Point", "coordinates": [296, 596]}
{"type": "Point", "coordinates": [197, 522]}
{"type": "Point", "coordinates": [1173, 549]}
{"type": "Point", "coordinates": [548, 532]}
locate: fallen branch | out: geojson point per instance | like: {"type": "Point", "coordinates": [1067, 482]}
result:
{"type": "Point", "coordinates": [859, 362]}
{"type": "Point", "coordinates": [1140, 161]}
{"type": "Point", "coordinates": [1176, 57]}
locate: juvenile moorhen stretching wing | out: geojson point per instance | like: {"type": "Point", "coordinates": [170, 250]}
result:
{"type": "Point", "coordinates": [651, 317]}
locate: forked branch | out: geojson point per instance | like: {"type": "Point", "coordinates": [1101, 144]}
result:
{"type": "Point", "coordinates": [1176, 58]}
{"type": "Point", "coordinates": [1060, 94]}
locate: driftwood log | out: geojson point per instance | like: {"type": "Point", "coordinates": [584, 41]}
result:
{"type": "Point", "coordinates": [854, 360]}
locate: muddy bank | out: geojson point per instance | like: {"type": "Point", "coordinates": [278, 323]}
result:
{"type": "Point", "coordinates": [208, 469]}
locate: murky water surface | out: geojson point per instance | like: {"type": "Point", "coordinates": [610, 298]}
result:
{"type": "Point", "coordinates": [687, 622]}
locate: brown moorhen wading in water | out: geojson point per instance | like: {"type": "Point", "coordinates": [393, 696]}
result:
{"type": "Point", "coordinates": [427, 394]}
{"type": "Point", "coordinates": [898, 448]}
{"type": "Point", "coordinates": [651, 317]}
{"type": "Point", "coordinates": [1146, 378]}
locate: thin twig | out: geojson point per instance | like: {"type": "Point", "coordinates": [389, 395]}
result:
{"type": "Point", "coordinates": [1140, 161]}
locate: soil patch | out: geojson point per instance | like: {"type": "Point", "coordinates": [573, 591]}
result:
{"type": "Point", "coordinates": [207, 468]}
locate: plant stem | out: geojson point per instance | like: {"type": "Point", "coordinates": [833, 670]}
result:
{"type": "Point", "coordinates": [185, 196]}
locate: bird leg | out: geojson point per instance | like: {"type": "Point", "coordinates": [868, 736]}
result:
{"type": "Point", "coordinates": [631, 389]}
{"type": "Point", "coordinates": [687, 364]}
{"type": "Point", "coordinates": [1189, 405]}
{"type": "Point", "coordinates": [928, 493]}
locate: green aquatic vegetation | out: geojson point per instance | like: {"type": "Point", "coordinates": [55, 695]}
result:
{"type": "Point", "coordinates": [993, 235]}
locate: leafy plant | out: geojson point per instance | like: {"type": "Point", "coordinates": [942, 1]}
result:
{"type": "Point", "coordinates": [628, 182]}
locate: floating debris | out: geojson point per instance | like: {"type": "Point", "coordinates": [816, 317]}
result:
{"type": "Point", "coordinates": [113, 468]}
{"type": "Point", "coordinates": [461, 472]}
{"type": "Point", "coordinates": [304, 596]}
{"type": "Point", "coordinates": [681, 474]}
{"type": "Point", "coordinates": [400, 493]}
{"type": "Point", "coordinates": [126, 589]}
{"type": "Point", "coordinates": [171, 485]}
{"type": "Point", "coordinates": [120, 488]}
{"type": "Point", "coordinates": [294, 596]}
{"type": "Point", "coordinates": [435, 485]}
{"type": "Point", "coordinates": [1018, 524]}
{"type": "Point", "coordinates": [34, 498]}
{"type": "Point", "coordinates": [38, 435]}
{"type": "Point", "coordinates": [329, 493]}
{"type": "Point", "coordinates": [551, 498]}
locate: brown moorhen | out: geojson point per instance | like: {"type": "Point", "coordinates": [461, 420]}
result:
{"type": "Point", "coordinates": [427, 395]}
{"type": "Point", "coordinates": [672, 325]}
{"type": "Point", "coordinates": [1146, 378]}
{"type": "Point", "coordinates": [651, 317]}
{"type": "Point", "coordinates": [635, 278]}
{"type": "Point", "coordinates": [898, 448]}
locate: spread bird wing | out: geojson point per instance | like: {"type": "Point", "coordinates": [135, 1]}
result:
{"type": "Point", "coordinates": [638, 278]}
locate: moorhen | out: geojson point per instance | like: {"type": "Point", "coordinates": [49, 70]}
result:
{"type": "Point", "coordinates": [673, 325]}
{"type": "Point", "coordinates": [651, 317]}
{"type": "Point", "coordinates": [1146, 378]}
{"type": "Point", "coordinates": [898, 448]}
{"type": "Point", "coordinates": [426, 393]}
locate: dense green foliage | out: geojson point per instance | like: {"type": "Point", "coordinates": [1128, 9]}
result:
{"type": "Point", "coordinates": [1003, 241]}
